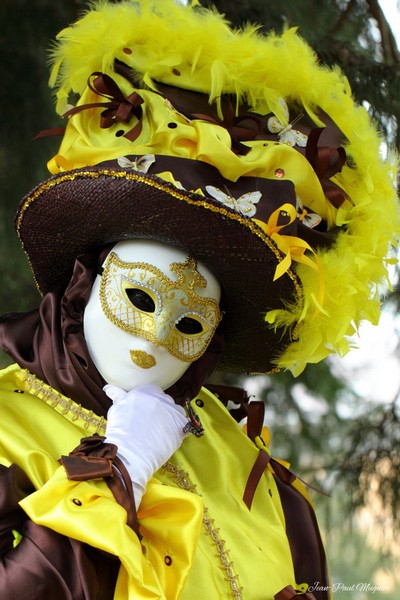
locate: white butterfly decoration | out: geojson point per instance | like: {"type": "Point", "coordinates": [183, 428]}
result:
{"type": "Point", "coordinates": [141, 164]}
{"type": "Point", "coordinates": [172, 107]}
{"type": "Point", "coordinates": [308, 218]}
{"type": "Point", "coordinates": [244, 205]}
{"type": "Point", "coordinates": [286, 134]}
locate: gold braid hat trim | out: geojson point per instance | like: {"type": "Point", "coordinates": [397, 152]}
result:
{"type": "Point", "coordinates": [181, 478]}
{"type": "Point", "coordinates": [63, 405]}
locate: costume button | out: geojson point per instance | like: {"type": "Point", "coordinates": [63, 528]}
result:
{"type": "Point", "coordinates": [77, 501]}
{"type": "Point", "coordinates": [199, 403]}
{"type": "Point", "coordinates": [172, 125]}
{"type": "Point", "coordinates": [19, 391]}
{"type": "Point", "coordinates": [168, 560]}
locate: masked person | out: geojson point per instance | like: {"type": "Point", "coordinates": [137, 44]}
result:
{"type": "Point", "coordinates": [217, 201]}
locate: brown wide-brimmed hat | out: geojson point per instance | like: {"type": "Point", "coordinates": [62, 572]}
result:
{"type": "Point", "coordinates": [124, 203]}
{"type": "Point", "coordinates": [246, 153]}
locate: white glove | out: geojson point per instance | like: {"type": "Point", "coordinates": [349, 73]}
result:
{"type": "Point", "coordinates": [147, 426]}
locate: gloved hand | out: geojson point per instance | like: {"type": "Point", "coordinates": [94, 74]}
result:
{"type": "Point", "coordinates": [147, 426]}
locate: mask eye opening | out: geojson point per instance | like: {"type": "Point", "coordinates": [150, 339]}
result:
{"type": "Point", "coordinates": [189, 326]}
{"type": "Point", "coordinates": [140, 299]}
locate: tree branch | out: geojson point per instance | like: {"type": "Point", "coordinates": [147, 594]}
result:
{"type": "Point", "coordinates": [342, 18]}
{"type": "Point", "coordinates": [391, 54]}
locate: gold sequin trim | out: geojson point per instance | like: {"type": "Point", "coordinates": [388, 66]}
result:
{"type": "Point", "coordinates": [63, 405]}
{"type": "Point", "coordinates": [181, 478]}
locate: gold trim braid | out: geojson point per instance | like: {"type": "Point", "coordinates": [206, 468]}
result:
{"type": "Point", "coordinates": [181, 478]}
{"type": "Point", "coordinates": [63, 405]}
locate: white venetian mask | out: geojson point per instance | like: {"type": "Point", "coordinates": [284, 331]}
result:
{"type": "Point", "coordinates": [152, 312]}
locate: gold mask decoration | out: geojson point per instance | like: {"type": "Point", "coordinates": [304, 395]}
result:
{"type": "Point", "coordinates": [140, 299]}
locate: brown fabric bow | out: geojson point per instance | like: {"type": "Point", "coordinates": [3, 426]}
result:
{"type": "Point", "coordinates": [232, 123]}
{"type": "Point", "coordinates": [90, 460]}
{"type": "Point", "coordinates": [118, 109]}
{"type": "Point", "coordinates": [94, 458]}
{"type": "Point", "coordinates": [326, 162]}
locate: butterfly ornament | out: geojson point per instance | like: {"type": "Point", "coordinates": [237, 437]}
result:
{"type": "Point", "coordinates": [307, 218]}
{"type": "Point", "coordinates": [141, 164]}
{"type": "Point", "coordinates": [244, 205]}
{"type": "Point", "coordinates": [286, 134]}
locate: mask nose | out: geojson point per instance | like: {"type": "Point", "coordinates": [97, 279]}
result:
{"type": "Point", "coordinates": [164, 323]}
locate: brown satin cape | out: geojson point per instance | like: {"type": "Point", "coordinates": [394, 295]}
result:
{"type": "Point", "coordinates": [49, 342]}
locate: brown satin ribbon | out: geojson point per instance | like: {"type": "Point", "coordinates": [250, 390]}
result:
{"type": "Point", "coordinates": [262, 460]}
{"type": "Point", "coordinates": [231, 123]}
{"type": "Point", "coordinates": [90, 460]}
{"type": "Point", "coordinates": [326, 162]}
{"type": "Point", "coordinates": [49, 132]}
{"type": "Point", "coordinates": [289, 593]}
{"type": "Point", "coordinates": [94, 459]}
{"type": "Point", "coordinates": [118, 109]}
{"type": "Point", "coordinates": [255, 420]}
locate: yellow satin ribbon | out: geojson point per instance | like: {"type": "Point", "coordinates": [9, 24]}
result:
{"type": "Point", "coordinates": [58, 164]}
{"type": "Point", "coordinates": [291, 246]}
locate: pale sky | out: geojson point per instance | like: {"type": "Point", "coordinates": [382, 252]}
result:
{"type": "Point", "coordinates": [391, 10]}
{"type": "Point", "coordinates": [374, 367]}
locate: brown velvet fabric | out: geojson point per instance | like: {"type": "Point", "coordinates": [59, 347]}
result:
{"type": "Point", "coordinates": [46, 564]}
{"type": "Point", "coordinates": [94, 458]}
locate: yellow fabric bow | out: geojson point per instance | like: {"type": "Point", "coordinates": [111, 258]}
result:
{"type": "Point", "coordinates": [291, 246]}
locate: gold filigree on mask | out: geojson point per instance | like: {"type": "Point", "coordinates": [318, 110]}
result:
{"type": "Point", "coordinates": [140, 299]}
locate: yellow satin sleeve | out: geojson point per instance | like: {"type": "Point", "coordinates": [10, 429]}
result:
{"type": "Point", "coordinates": [88, 512]}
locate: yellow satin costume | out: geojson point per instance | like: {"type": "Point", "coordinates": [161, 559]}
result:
{"type": "Point", "coordinates": [199, 539]}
